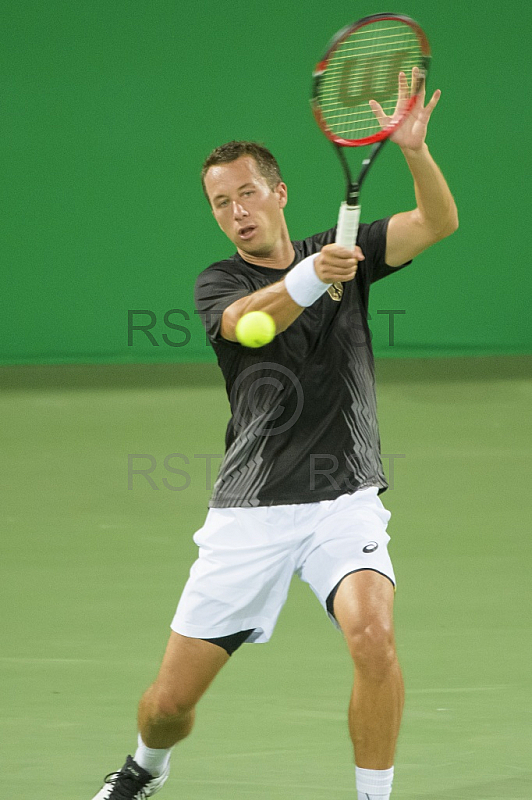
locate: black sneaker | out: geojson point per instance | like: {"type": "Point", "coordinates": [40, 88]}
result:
{"type": "Point", "coordinates": [131, 783]}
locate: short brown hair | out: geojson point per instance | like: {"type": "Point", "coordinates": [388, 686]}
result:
{"type": "Point", "coordinates": [225, 153]}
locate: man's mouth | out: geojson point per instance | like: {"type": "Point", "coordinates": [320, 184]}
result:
{"type": "Point", "coordinates": [247, 232]}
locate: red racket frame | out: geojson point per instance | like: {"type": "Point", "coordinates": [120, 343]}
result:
{"type": "Point", "coordinates": [322, 66]}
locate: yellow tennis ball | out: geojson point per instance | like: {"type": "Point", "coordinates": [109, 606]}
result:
{"type": "Point", "coordinates": [255, 329]}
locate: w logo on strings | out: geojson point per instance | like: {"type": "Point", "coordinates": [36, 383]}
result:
{"type": "Point", "coordinates": [370, 78]}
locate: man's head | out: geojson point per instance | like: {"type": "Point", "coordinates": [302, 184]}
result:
{"type": "Point", "coordinates": [226, 153]}
{"type": "Point", "coordinates": [244, 187]}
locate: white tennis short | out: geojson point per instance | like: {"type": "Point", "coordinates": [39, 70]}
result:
{"type": "Point", "coordinates": [247, 557]}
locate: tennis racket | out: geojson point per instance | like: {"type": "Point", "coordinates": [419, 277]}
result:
{"type": "Point", "coordinates": [362, 63]}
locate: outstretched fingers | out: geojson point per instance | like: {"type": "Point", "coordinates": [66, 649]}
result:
{"type": "Point", "coordinates": [431, 105]}
{"type": "Point", "coordinates": [405, 92]}
{"type": "Point", "coordinates": [417, 82]}
{"type": "Point", "coordinates": [403, 88]}
{"type": "Point", "coordinates": [379, 113]}
{"type": "Point", "coordinates": [402, 100]}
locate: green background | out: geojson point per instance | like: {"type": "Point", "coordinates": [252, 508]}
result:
{"type": "Point", "coordinates": [110, 106]}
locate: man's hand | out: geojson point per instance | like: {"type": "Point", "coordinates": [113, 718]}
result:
{"type": "Point", "coordinates": [337, 264]}
{"type": "Point", "coordinates": [412, 132]}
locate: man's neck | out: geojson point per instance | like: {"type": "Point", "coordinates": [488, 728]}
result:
{"type": "Point", "coordinates": [280, 257]}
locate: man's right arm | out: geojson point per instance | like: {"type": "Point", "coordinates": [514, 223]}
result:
{"type": "Point", "coordinates": [333, 263]}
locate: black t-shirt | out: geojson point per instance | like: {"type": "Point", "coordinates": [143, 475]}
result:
{"type": "Point", "coordinates": [304, 416]}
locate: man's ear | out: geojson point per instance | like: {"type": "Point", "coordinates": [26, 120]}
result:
{"type": "Point", "coordinates": [282, 193]}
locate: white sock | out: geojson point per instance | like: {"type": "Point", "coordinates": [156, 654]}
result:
{"type": "Point", "coordinates": [154, 761]}
{"type": "Point", "coordinates": [374, 784]}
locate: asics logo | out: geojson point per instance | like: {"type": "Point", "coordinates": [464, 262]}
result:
{"type": "Point", "coordinates": [370, 547]}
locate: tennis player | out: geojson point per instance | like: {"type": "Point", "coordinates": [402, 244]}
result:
{"type": "Point", "coordinates": [299, 488]}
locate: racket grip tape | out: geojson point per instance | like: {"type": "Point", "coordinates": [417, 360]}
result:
{"type": "Point", "coordinates": [347, 229]}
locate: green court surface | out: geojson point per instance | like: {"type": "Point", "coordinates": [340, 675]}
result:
{"type": "Point", "coordinates": [92, 571]}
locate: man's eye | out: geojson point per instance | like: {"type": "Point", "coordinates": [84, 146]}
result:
{"type": "Point", "coordinates": [250, 191]}
{"type": "Point", "coordinates": [222, 203]}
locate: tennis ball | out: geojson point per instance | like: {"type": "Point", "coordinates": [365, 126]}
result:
{"type": "Point", "coordinates": [255, 329]}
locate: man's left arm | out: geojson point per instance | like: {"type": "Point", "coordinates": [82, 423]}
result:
{"type": "Point", "coordinates": [435, 216]}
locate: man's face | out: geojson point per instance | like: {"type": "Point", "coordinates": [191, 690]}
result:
{"type": "Point", "coordinates": [245, 207]}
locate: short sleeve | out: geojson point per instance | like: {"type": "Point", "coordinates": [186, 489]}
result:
{"type": "Point", "coordinates": [313, 244]}
{"type": "Point", "coordinates": [372, 242]}
{"type": "Point", "coordinates": [214, 291]}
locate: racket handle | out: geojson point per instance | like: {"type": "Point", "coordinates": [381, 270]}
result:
{"type": "Point", "coordinates": [348, 219]}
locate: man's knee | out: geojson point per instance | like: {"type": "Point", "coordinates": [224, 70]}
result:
{"type": "Point", "coordinates": [170, 703]}
{"type": "Point", "coordinates": [372, 647]}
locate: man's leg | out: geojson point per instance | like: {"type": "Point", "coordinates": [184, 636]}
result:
{"type": "Point", "coordinates": [166, 714]}
{"type": "Point", "coordinates": [363, 607]}
{"type": "Point", "coordinates": [166, 710]}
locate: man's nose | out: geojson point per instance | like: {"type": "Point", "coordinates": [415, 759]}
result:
{"type": "Point", "coordinates": [238, 210]}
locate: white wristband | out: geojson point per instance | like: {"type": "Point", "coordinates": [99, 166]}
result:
{"type": "Point", "coordinates": [302, 283]}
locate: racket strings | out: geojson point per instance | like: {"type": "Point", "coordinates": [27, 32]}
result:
{"type": "Point", "coordinates": [364, 66]}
